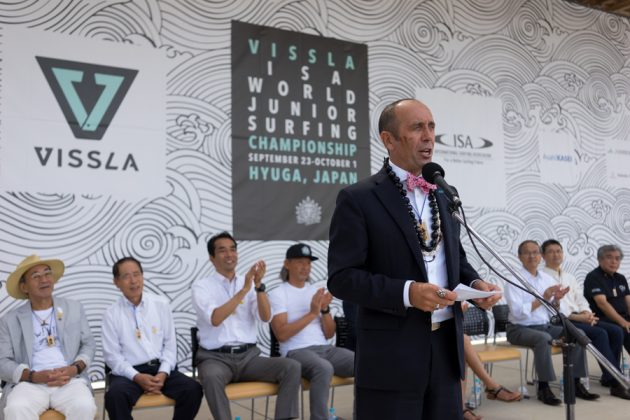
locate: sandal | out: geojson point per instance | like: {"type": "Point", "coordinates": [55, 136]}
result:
{"type": "Point", "coordinates": [502, 394]}
{"type": "Point", "coordinates": [470, 415]}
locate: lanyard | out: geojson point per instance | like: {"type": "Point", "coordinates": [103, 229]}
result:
{"type": "Point", "coordinates": [135, 317]}
{"type": "Point", "coordinates": [46, 326]}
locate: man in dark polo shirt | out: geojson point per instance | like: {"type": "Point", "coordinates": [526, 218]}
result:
{"type": "Point", "coordinates": [607, 291]}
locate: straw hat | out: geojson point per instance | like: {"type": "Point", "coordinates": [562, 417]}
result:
{"type": "Point", "coordinates": [13, 281]}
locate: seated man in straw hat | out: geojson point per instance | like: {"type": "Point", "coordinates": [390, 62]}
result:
{"type": "Point", "coordinates": [45, 347]}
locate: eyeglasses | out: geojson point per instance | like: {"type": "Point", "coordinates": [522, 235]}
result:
{"type": "Point", "coordinates": [43, 275]}
{"type": "Point", "coordinates": [127, 276]}
{"type": "Point", "coordinates": [530, 253]}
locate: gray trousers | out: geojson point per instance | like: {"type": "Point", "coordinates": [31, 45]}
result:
{"type": "Point", "coordinates": [319, 364]}
{"type": "Point", "coordinates": [216, 370]}
{"type": "Point", "coordinates": [538, 337]}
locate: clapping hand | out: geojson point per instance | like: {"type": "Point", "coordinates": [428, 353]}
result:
{"type": "Point", "coordinates": [255, 275]}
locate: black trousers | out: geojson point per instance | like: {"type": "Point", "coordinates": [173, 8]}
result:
{"type": "Point", "coordinates": [123, 394]}
{"type": "Point", "coordinates": [439, 396]}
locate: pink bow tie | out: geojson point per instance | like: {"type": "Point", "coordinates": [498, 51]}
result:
{"type": "Point", "coordinates": [417, 181]}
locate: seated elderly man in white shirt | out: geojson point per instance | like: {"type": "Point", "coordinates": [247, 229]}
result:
{"type": "Point", "coordinates": [529, 324]}
{"type": "Point", "coordinates": [605, 336]}
{"type": "Point", "coordinates": [45, 347]}
{"type": "Point", "coordinates": [139, 345]}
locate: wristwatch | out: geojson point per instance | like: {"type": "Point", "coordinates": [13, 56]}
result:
{"type": "Point", "coordinates": [325, 311]}
{"type": "Point", "coordinates": [261, 288]}
{"type": "Point", "coordinates": [77, 364]}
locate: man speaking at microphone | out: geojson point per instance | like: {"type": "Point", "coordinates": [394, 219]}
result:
{"type": "Point", "coordinates": [395, 251]}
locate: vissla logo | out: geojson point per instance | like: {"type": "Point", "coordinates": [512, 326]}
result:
{"type": "Point", "coordinates": [89, 94]}
{"type": "Point", "coordinates": [462, 141]}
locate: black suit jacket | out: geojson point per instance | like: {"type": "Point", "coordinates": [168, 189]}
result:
{"type": "Point", "coordinates": [373, 251]}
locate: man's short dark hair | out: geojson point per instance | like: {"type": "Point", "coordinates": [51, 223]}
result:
{"type": "Point", "coordinates": [388, 120]}
{"type": "Point", "coordinates": [222, 235]}
{"type": "Point", "coordinates": [549, 242]}
{"type": "Point", "coordinates": [605, 249]}
{"type": "Point", "coordinates": [117, 264]}
{"type": "Point", "coordinates": [522, 245]}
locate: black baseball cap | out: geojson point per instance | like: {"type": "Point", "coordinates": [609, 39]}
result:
{"type": "Point", "coordinates": [300, 251]}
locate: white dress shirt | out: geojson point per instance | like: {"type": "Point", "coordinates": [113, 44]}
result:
{"type": "Point", "coordinates": [435, 267]}
{"type": "Point", "coordinates": [121, 346]}
{"type": "Point", "coordinates": [240, 327]}
{"type": "Point", "coordinates": [574, 301]}
{"type": "Point", "coordinates": [520, 302]}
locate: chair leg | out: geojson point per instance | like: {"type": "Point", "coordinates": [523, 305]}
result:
{"type": "Point", "coordinates": [332, 396]}
{"type": "Point", "coordinates": [476, 392]}
{"type": "Point", "coordinates": [252, 409]}
{"type": "Point", "coordinates": [527, 368]}
{"type": "Point", "coordinates": [534, 373]}
{"type": "Point", "coordinates": [302, 401]}
{"type": "Point", "coordinates": [522, 389]}
{"type": "Point", "coordinates": [489, 367]}
{"type": "Point", "coordinates": [266, 407]}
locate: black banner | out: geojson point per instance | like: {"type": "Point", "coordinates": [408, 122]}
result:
{"type": "Point", "coordinates": [300, 130]}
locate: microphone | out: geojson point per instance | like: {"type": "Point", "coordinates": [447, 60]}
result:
{"type": "Point", "coordinates": [433, 173]}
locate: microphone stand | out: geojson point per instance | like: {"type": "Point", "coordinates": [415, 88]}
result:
{"type": "Point", "coordinates": [571, 334]}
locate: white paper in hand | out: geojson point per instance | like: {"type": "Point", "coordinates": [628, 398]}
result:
{"type": "Point", "coordinates": [464, 293]}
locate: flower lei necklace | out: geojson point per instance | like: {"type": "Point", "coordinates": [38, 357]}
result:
{"type": "Point", "coordinates": [428, 249]}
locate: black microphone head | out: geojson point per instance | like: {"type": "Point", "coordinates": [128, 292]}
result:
{"type": "Point", "coordinates": [431, 170]}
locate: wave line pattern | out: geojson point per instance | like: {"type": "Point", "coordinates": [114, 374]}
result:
{"type": "Point", "coordinates": [553, 64]}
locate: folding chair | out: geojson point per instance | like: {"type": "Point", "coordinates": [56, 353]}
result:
{"type": "Point", "coordinates": [476, 323]}
{"type": "Point", "coordinates": [52, 415]}
{"type": "Point", "coordinates": [237, 390]}
{"type": "Point", "coordinates": [145, 400]}
{"type": "Point", "coordinates": [342, 333]}
{"type": "Point", "coordinates": [501, 314]}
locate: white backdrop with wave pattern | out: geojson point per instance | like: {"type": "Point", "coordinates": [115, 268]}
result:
{"type": "Point", "coordinates": [554, 65]}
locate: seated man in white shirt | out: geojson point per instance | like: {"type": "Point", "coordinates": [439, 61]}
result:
{"type": "Point", "coordinates": [605, 336]}
{"type": "Point", "coordinates": [302, 323]}
{"type": "Point", "coordinates": [228, 308]}
{"type": "Point", "coordinates": [45, 347]}
{"type": "Point", "coordinates": [529, 324]}
{"type": "Point", "coordinates": [139, 346]}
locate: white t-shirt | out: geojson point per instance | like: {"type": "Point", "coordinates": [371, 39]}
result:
{"type": "Point", "coordinates": [296, 302]}
{"type": "Point", "coordinates": [44, 356]}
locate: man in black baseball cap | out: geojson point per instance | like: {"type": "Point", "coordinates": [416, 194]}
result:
{"type": "Point", "coordinates": [294, 252]}
{"type": "Point", "coordinates": [303, 324]}
{"type": "Point", "coordinates": [299, 251]}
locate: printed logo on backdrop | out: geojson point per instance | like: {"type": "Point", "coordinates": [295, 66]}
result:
{"type": "Point", "coordinates": [115, 98]}
{"type": "Point", "coordinates": [469, 144]}
{"type": "Point", "coordinates": [617, 158]}
{"type": "Point", "coordinates": [300, 130]}
{"type": "Point", "coordinates": [558, 158]}
{"type": "Point", "coordinates": [89, 95]}
{"type": "Point", "coordinates": [462, 141]}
